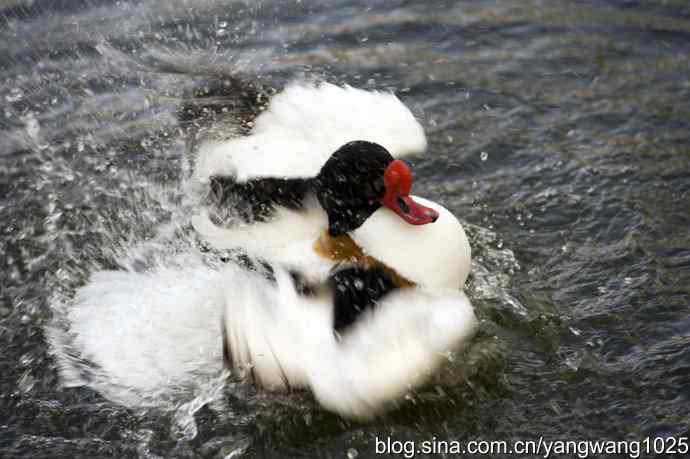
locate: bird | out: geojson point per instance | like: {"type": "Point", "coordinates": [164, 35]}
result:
{"type": "Point", "coordinates": [380, 325]}
{"type": "Point", "coordinates": [357, 294]}
{"type": "Point", "coordinates": [370, 333]}
{"type": "Point", "coordinates": [364, 286]}
{"type": "Point", "coordinates": [318, 162]}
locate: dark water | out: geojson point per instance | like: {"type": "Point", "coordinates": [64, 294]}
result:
{"type": "Point", "coordinates": [559, 132]}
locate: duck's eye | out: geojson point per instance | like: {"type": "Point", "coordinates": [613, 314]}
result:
{"type": "Point", "coordinates": [403, 205]}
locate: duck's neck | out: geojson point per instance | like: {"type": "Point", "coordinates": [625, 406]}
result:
{"type": "Point", "coordinates": [346, 218]}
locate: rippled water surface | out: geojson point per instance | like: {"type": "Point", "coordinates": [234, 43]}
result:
{"type": "Point", "coordinates": [559, 133]}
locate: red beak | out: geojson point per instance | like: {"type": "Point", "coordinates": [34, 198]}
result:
{"type": "Point", "coordinates": [398, 181]}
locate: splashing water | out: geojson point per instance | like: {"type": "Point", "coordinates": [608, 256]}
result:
{"type": "Point", "coordinates": [576, 214]}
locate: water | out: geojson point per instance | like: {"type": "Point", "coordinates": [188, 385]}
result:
{"type": "Point", "coordinates": [558, 133]}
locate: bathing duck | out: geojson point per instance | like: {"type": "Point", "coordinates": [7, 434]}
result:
{"type": "Point", "coordinates": [378, 326]}
{"type": "Point", "coordinates": [365, 292]}
{"type": "Point", "coordinates": [320, 160]}
{"type": "Point", "coordinates": [364, 339]}
{"type": "Point", "coordinates": [375, 322]}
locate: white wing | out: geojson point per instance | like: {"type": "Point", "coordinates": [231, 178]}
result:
{"type": "Point", "coordinates": [304, 125]}
{"type": "Point", "coordinates": [395, 349]}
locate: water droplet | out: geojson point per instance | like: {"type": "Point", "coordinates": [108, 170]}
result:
{"type": "Point", "coordinates": [33, 128]}
{"type": "Point", "coordinates": [554, 406]}
{"type": "Point", "coordinates": [483, 156]}
{"type": "Point", "coordinates": [14, 95]}
{"type": "Point", "coordinates": [572, 364]}
{"type": "Point", "coordinates": [27, 382]}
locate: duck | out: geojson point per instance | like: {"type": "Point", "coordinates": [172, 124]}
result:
{"type": "Point", "coordinates": [365, 276]}
{"type": "Point", "coordinates": [319, 161]}
{"type": "Point", "coordinates": [365, 339]}
{"type": "Point", "coordinates": [363, 297]}
{"type": "Point", "coordinates": [379, 326]}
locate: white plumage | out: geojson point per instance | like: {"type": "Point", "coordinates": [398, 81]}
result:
{"type": "Point", "coordinates": [436, 255]}
{"type": "Point", "coordinates": [286, 340]}
{"type": "Point", "coordinates": [304, 124]}
{"type": "Point", "coordinates": [146, 332]}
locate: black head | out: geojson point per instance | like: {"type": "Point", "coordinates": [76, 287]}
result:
{"type": "Point", "coordinates": [360, 177]}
